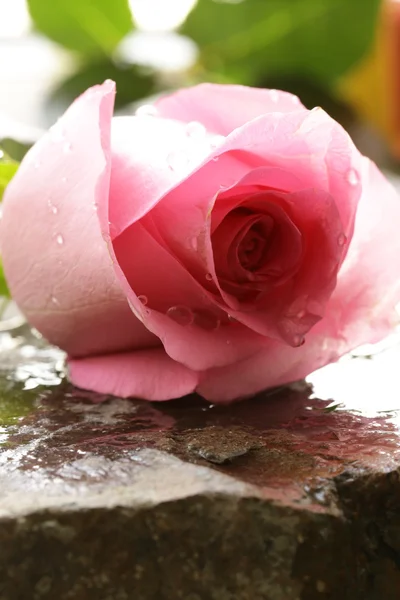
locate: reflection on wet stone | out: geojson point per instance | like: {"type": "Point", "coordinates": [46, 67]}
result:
{"type": "Point", "coordinates": [287, 496]}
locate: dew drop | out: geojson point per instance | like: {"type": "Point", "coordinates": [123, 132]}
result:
{"type": "Point", "coordinates": [209, 277]}
{"type": "Point", "coordinates": [59, 239]}
{"type": "Point", "coordinates": [298, 340]}
{"type": "Point", "coordinates": [177, 161]}
{"type": "Point", "coordinates": [181, 315]}
{"type": "Point", "coordinates": [67, 147]}
{"type": "Point", "coordinates": [143, 299]}
{"type": "Point", "coordinates": [341, 239]}
{"type": "Point", "coordinates": [232, 319]}
{"type": "Point", "coordinates": [147, 110]}
{"type": "Point", "coordinates": [206, 320]}
{"type": "Point", "coordinates": [52, 207]}
{"type": "Point", "coordinates": [274, 95]}
{"type": "Point", "coordinates": [195, 130]}
{"type": "Point", "coordinates": [301, 314]}
{"type": "Point", "coordinates": [113, 230]}
{"type": "Point", "coordinates": [55, 301]}
{"type": "Point", "coordinates": [352, 177]}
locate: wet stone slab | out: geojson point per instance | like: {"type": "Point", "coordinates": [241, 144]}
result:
{"type": "Point", "coordinates": [292, 495]}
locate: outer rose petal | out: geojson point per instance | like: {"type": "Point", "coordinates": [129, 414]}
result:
{"type": "Point", "coordinates": [150, 156]}
{"type": "Point", "coordinates": [148, 374]}
{"type": "Point", "coordinates": [57, 245]}
{"type": "Point", "coordinates": [361, 309]}
{"type": "Point", "coordinates": [223, 108]}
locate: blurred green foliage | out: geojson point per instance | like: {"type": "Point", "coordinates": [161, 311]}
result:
{"type": "Point", "coordinates": [90, 27]}
{"type": "Point", "coordinates": [302, 45]}
{"type": "Point", "coordinates": [8, 168]}
{"type": "Point", "coordinates": [132, 82]}
{"type": "Point", "coordinates": [249, 40]}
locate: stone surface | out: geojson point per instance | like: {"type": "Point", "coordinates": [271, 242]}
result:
{"type": "Point", "coordinates": [289, 496]}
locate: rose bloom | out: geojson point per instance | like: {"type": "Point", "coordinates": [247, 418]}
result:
{"type": "Point", "coordinates": [225, 240]}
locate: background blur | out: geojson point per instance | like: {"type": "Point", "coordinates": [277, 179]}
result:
{"type": "Point", "coordinates": [343, 55]}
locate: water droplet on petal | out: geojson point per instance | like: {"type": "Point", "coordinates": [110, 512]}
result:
{"type": "Point", "coordinates": [52, 207]}
{"type": "Point", "coordinates": [341, 239]}
{"type": "Point", "coordinates": [232, 319]}
{"type": "Point", "coordinates": [209, 277]}
{"type": "Point", "coordinates": [352, 177]}
{"type": "Point", "coordinates": [298, 340]}
{"type": "Point", "coordinates": [217, 141]}
{"type": "Point", "coordinates": [55, 301]}
{"type": "Point", "coordinates": [181, 315]}
{"type": "Point", "coordinates": [177, 161]}
{"type": "Point", "coordinates": [112, 229]}
{"type": "Point", "coordinates": [59, 239]}
{"type": "Point", "coordinates": [301, 314]}
{"type": "Point", "coordinates": [143, 299]}
{"type": "Point", "coordinates": [67, 148]}
{"type": "Point", "coordinates": [207, 320]}
{"type": "Point", "coordinates": [147, 110]}
{"type": "Point", "coordinates": [274, 95]}
{"type": "Point", "coordinates": [195, 130]}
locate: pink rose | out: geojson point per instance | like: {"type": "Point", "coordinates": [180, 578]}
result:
{"type": "Point", "coordinates": [226, 240]}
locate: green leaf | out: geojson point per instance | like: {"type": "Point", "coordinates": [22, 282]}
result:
{"type": "Point", "coordinates": [15, 149]}
{"type": "Point", "coordinates": [8, 168]}
{"type": "Point", "coordinates": [90, 27]}
{"type": "Point", "coordinates": [4, 291]}
{"type": "Point", "coordinates": [132, 83]}
{"type": "Point", "coordinates": [252, 39]}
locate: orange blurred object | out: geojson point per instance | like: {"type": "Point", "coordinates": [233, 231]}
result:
{"type": "Point", "coordinates": [373, 86]}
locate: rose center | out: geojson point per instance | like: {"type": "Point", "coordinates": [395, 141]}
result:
{"type": "Point", "coordinates": [252, 249]}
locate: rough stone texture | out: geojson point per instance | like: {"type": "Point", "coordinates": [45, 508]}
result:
{"type": "Point", "coordinates": [284, 497]}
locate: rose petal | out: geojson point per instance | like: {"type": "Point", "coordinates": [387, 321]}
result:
{"type": "Point", "coordinates": [150, 157]}
{"type": "Point", "coordinates": [55, 259]}
{"type": "Point", "coordinates": [208, 104]}
{"type": "Point", "coordinates": [174, 306]}
{"type": "Point", "coordinates": [361, 309]}
{"type": "Point", "coordinates": [321, 159]}
{"type": "Point", "coordinates": [148, 374]}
